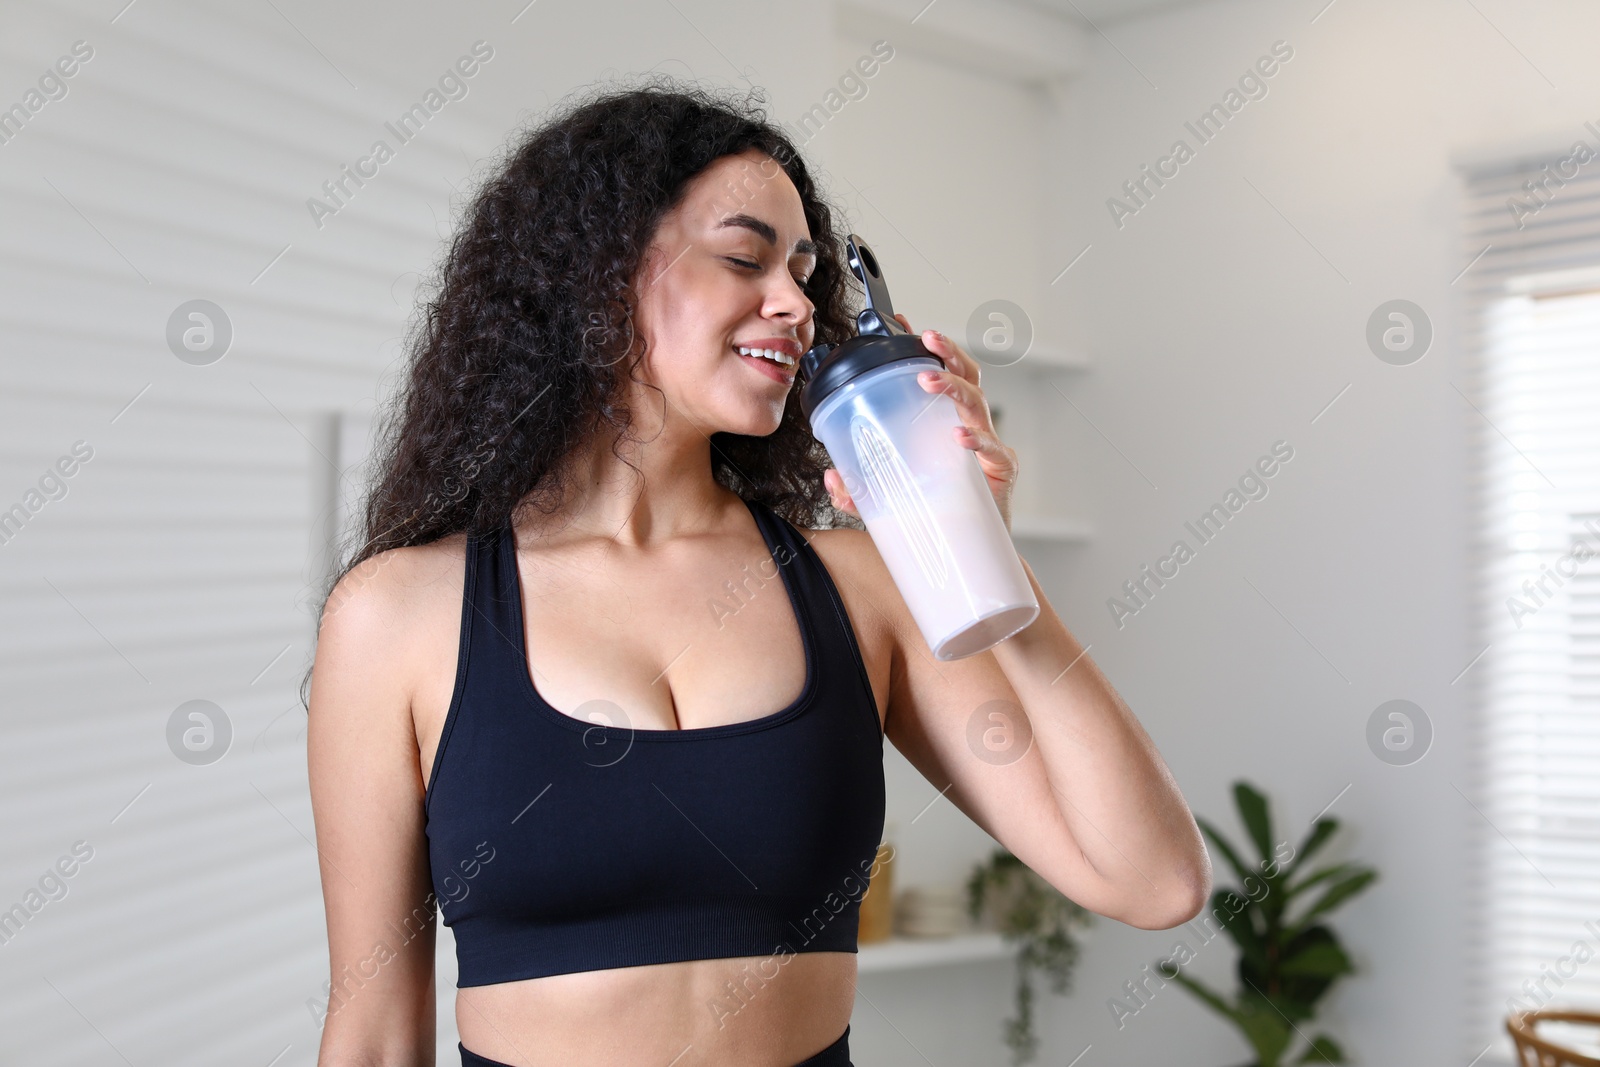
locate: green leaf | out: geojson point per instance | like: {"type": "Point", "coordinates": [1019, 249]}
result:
{"type": "Point", "coordinates": [1323, 959]}
{"type": "Point", "coordinates": [1268, 1032]}
{"type": "Point", "coordinates": [1285, 1004]}
{"type": "Point", "coordinates": [1217, 1004]}
{"type": "Point", "coordinates": [1226, 849]}
{"type": "Point", "coordinates": [1336, 871]}
{"type": "Point", "coordinates": [1253, 811]}
{"type": "Point", "coordinates": [1321, 830]}
{"type": "Point", "coordinates": [1336, 894]}
{"type": "Point", "coordinates": [1239, 926]}
{"type": "Point", "coordinates": [1295, 991]}
{"type": "Point", "coordinates": [1323, 1049]}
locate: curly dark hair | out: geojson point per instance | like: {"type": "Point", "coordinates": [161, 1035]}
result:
{"type": "Point", "coordinates": [514, 360]}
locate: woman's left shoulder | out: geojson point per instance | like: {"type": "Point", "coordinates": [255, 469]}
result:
{"type": "Point", "coordinates": [853, 561]}
{"type": "Point", "coordinates": [848, 544]}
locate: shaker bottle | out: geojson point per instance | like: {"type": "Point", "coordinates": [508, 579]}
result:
{"type": "Point", "coordinates": [923, 497]}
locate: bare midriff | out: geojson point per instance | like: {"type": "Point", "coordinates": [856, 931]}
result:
{"type": "Point", "coordinates": [749, 1011]}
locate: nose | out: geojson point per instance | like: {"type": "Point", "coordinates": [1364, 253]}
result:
{"type": "Point", "coordinates": [787, 300]}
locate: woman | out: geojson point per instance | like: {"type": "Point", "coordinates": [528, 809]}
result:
{"type": "Point", "coordinates": [601, 686]}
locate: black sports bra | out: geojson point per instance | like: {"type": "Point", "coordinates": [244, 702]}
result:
{"type": "Point", "coordinates": [559, 845]}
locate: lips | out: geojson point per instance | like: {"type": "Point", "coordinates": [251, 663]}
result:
{"type": "Point", "coordinates": [789, 346]}
{"type": "Point", "coordinates": [775, 371]}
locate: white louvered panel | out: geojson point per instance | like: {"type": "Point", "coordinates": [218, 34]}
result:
{"type": "Point", "coordinates": [190, 142]}
{"type": "Point", "coordinates": [1533, 337]}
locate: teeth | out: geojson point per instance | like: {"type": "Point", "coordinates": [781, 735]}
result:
{"type": "Point", "coordinates": [782, 358]}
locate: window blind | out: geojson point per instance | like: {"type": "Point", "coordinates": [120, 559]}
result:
{"type": "Point", "coordinates": [173, 566]}
{"type": "Point", "coordinates": [1532, 352]}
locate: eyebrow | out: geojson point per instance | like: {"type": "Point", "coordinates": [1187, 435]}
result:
{"type": "Point", "coordinates": [804, 246]}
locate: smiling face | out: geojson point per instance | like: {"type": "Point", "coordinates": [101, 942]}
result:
{"type": "Point", "coordinates": [726, 269]}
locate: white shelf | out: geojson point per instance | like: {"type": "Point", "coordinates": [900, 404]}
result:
{"type": "Point", "coordinates": [907, 953]}
{"type": "Point", "coordinates": [1047, 528]}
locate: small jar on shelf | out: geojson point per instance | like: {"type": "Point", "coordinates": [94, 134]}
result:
{"type": "Point", "coordinates": [877, 904]}
{"type": "Point", "coordinates": [931, 912]}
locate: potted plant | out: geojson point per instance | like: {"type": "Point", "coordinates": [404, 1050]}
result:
{"type": "Point", "coordinates": [1286, 964]}
{"type": "Point", "coordinates": [1029, 911]}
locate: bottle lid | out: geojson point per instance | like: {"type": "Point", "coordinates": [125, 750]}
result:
{"type": "Point", "coordinates": [879, 340]}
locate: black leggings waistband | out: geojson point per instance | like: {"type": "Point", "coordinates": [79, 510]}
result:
{"type": "Point", "coordinates": [835, 1055]}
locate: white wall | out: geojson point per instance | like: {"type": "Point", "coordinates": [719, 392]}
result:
{"type": "Point", "coordinates": [1218, 329]}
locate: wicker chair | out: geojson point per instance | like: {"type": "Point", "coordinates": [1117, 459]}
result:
{"type": "Point", "coordinates": [1535, 1051]}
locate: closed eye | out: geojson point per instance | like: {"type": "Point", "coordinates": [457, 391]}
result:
{"type": "Point", "coordinates": [748, 265]}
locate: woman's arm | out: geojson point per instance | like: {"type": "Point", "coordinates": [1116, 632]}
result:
{"type": "Point", "coordinates": [1117, 796]}
{"type": "Point", "coordinates": [366, 799]}
{"type": "Point", "coordinates": [1033, 744]}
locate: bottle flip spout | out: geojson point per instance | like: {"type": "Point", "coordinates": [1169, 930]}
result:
{"type": "Point", "coordinates": [878, 316]}
{"type": "Point", "coordinates": [880, 338]}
